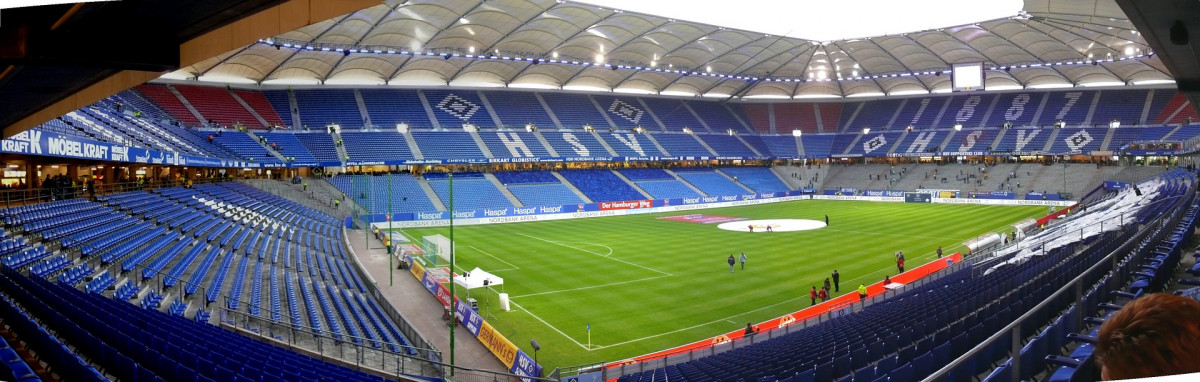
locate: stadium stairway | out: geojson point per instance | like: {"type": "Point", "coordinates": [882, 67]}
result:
{"type": "Point", "coordinates": [487, 152]}
{"type": "Point", "coordinates": [319, 195]}
{"type": "Point", "coordinates": [273, 152]}
{"type": "Point", "coordinates": [503, 190]}
{"type": "Point", "coordinates": [735, 181]}
{"type": "Point", "coordinates": [413, 146]}
{"type": "Point", "coordinates": [186, 103]}
{"type": "Point", "coordinates": [253, 113]}
{"type": "Point", "coordinates": [685, 182]}
{"type": "Point", "coordinates": [429, 192]}
{"type": "Point", "coordinates": [755, 149]}
{"type": "Point", "coordinates": [634, 185]}
{"type": "Point", "coordinates": [799, 176]}
{"type": "Point", "coordinates": [572, 187]}
{"type": "Point", "coordinates": [545, 143]}
{"type": "Point", "coordinates": [341, 149]}
{"type": "Point", "coordinates": [659, 145]}
{"type": "Point", "coordinates": [608, 148]}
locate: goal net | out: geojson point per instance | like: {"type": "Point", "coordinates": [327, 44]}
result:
{"type": "Point", "coordinates": [437, 249]}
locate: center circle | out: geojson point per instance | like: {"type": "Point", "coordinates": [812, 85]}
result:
{"type": "Point", "coordinates": [776, 225]}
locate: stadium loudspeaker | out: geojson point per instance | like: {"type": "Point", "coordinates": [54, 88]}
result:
{"type": "Point", "coordinates": [1179, 33]}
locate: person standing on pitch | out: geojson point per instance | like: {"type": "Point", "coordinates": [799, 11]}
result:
{"type": "Point", "coordinates": [812, 294]}
{"type": "Point", "coordinates": [823, 293]}
{"type": "Point", "coordinates": [836, 277]}
{"type": "Point", "coordinates": [730, 263]}
{"type": "Point", "coordinates": [900, 264]}
{"type": "Point", "coordinates": [826, 284]}
{"type": "Point", "coordinates": [939, 251]}
{"type": "Point", "coordinates": [743, 260]}
{"type": "Point", "coordinates": [826, 220]}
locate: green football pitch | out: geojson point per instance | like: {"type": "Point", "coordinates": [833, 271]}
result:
{"type": "Point", "coordinates": [646, 284]}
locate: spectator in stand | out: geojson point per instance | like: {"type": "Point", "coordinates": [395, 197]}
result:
{"type": "Point", "coordinates": [1155, 335]}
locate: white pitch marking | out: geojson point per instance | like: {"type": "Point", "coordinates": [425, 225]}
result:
{"type": "Point", "coordinates": [705, 323]}
{"type": "Point", "coordinates": [554, 328]}
{"type": "Point", "coordinates": [610, 250]}
{"type": "Point", "coordinates": [591, 287]}
{"type": "Point", "coordinates": [597, 254]}
{"type": "Point", "coordinates": [513, 267]}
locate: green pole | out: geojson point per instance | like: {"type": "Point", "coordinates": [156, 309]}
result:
{"type": "Point", "coordinates": [391, 242]}
{"type": "Point", "coordinates": [453, 301]}
{"type": "Point", "coordinates": [367, 217]}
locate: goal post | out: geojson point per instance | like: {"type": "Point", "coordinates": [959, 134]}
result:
{"type": "Point", "coordinates": [437, 249]}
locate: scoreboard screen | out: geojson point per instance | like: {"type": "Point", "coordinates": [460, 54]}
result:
{"type": "Point", "coordinates": [967, 77]}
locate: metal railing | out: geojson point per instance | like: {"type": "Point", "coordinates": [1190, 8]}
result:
{"type": "Point", "coordinates": [1076, 285]}
{"type": "Point", "coordinates": [324, 344]}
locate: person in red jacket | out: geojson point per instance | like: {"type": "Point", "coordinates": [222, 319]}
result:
{"type": "Point", "coordinates": [900, 264]}
{"type": "Point", "coordinates": [812, 294]}
{"type": "Point", "coordinates": [823, 294]}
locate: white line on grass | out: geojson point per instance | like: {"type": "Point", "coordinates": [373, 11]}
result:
{"type": "Point", "coordinates": [729, 319]}
{"type": "Point", "coordinates": [719, 320]}
{"type": "Point", "coordinates": [597, 254]}
{"type": "Point", "coordinates": [887, 234]}
{"type": "Point", "coordinates": [513, 267]}
{"type": "Point", "coordinates": [592, 286]}
{"type": "Point", "coordinates": [610, 250]}
{"type": "Point", "coordinates": [552, 327]}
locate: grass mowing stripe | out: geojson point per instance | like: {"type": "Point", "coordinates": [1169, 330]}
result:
{"type": "Point", "coordinates": [610, 272]}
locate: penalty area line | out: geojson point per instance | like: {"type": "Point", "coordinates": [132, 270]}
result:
{"type": "Point", "coordinates": [552, 327]}
{"type": "Point", "coordinates": [597, 254]}
{"type": "Point", "coordinates": [592, 286]}
{"type": "Point", "coordinates": [511, 266]}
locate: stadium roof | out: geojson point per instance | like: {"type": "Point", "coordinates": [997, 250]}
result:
{"type": "Point", "coordinates": [561, 44]}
